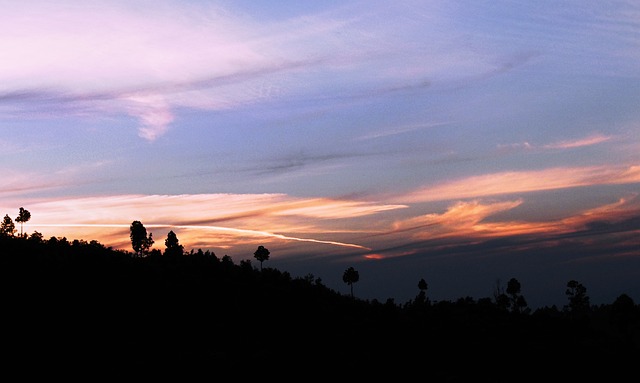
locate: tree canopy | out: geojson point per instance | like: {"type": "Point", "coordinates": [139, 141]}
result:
{"type": "Point", "coordinates": [261, 254]}
{"type": "Point", "coordinates": [173, 246]}
{"type": "Point", "coordinates": [7, 227]}
{"type": "Point", "coordinates": [140, 241]}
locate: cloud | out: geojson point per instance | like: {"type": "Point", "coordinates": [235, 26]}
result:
{"type": "Point", "coordinates": [200, 217]}
{"type": "Point", "coordinates": [468, 219]}
{"type": "Point", "coordinates": [21, 183]}
{"type": "Point", "coordinates": [149, 59]}
{"type": "Point", "coordinates": [461, 215]}
{"type": "Point", "coordinates": [303, 161]}
{"type": "Point", "coordinates": [587, 141]}
{"type": "Point", "coordinates": [237, 221]}
{"type": "Point", "coordinates": [472, 226]}
{"type": "Point", "coordinates": [400, 130]}
{"type": "Point", "coordinates": [100, 51]}
{"type": "Point", "coordinates": [524, 181]}
{"type": "Point", "coordinates": [154, 113]}
{"type": "Point", "coordinates": [591, 140]}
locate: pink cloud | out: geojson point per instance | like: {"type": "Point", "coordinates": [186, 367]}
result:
{"type": "Point", "coordinates": [587, 141]}
{"type": "Point", "coordinates": [524, 181]}
{"type": "Point", "coordinates": [467, 222]}
{"type": "Point", "coordinates": [199, 217]}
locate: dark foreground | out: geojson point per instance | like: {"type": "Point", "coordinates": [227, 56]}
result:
{"type": "Point", "coordinates": [81, 311]}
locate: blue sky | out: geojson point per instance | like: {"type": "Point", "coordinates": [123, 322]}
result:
{"type": "Point", "coordinates": [459, 142]}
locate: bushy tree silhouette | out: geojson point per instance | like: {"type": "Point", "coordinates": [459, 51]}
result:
{"type": "Point", "coordinates": [350, 277]}
{"type": "Point", "coordinates": [173, 246]}
{"type": "Point", "coordinates": [422, 285]}
{"type": "Point", "coordinates": [517, 302]}
{"type": "Point", "coordinates": [140, 241]}
{"type": "Point", "coordinates": [7, 227]}
{"type": "Point", "coordinates": [578, 299]}
{"type": "Point", "coordinates": [624, 314]}
{"type": "Point", "coordinates": [261, 254]}
{"type": "Point", "coordinates": [36, 236]}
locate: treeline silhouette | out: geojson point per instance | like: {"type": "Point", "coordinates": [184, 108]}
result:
{"type": "Point", "coordinates": [76, 304]}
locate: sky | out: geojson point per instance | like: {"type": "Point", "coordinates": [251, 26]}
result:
{"type": "Point", "coordinates": [460, 142]}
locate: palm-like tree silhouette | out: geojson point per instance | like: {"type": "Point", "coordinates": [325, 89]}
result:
{"type": "Point", "coordinates": [23, 216]}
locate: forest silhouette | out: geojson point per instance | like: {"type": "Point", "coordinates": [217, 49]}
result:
{"type": "Point", "coordinates": [71, 304]}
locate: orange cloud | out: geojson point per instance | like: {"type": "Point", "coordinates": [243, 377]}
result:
{"type": "Point", "coordinates": [237, 221]}
{"type": "Point", "coordinates": [460, 214]}
{"type": "Point", "coordinates": [196, 208]}
{"type": "Point", "coordinates": [467, 219]}
{"type": "Point", "coordinates": [524, 181]}
{"type": "Point", "coordinates": [622, 209]}
{"type": "Point", "coordinates": [264, 216]}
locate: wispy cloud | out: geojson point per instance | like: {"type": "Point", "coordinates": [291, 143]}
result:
{"type": "Point", "coordinates": [525, 181]}
{"type": "Point", "coordinates": [591, 140]}
{"type": "Point", "coordinates": [81, 52]}
{"type": "Point", "coordinates": [20, 184]}
{"type": "Point", "coordinates": [468, 219]}
{"type": "Point", "coordinates": [264, 215]}
{"type": "Point", "coordinates": [400, 130]}
{"type": "Point", "coordinates": [147, 59]}
{"type": "Point", "coordinates": [587, 141]}
{"type": "Point", "coordinates": [236, 221]}
{"type": "Point", "coordinates": [234, 232]}
{"type": "Point", "coordinates": [472, 224]}
{"type": "Point", "coordinates": [460, 218]}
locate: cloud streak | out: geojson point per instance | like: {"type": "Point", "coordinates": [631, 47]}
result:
{"type": "Point", "coordinates": [238, 232]}
{"type": "Point", "coordinates": [591, 140]}
{"type": "Point", "coordinates": [245, 215]}
{"type": "Point", "coordinates": [587, 141]}
{"type": "Point", "coordinates": [511, 182]}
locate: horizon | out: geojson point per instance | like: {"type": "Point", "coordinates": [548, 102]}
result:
{"type": "Point", "coordinates": [460, 143]}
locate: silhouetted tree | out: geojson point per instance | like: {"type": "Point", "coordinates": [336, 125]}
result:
{"type": "Point", "coordinates": [578, 300]}
{"type": "Point", "coordinates": [36, 236]}
{"type": "Point", "coordinates": [23, 216]}
{"type": "Point", "coordinates": [261, 254]}
{"type": "Point", "coordinates": [623, 313]}
{"type": "Point", "coordinates": [501, 299]}
{"type": "Point", "coordinates": [422, 295]}
{"type": "Point", "coordinates": [7, 227]}
{"type": "Point", "coordinates": [350, 277]}
{"type": "Point", "coordinates": [140, 241]}
{"type": "Point", "coordinates": [422, 285]}
{"type": "Point", "coordinates": [173, 246]}
{"type": "Point", "coordinates": [246, 265]}
{"type": "Point", "coordinates": [517, 302]}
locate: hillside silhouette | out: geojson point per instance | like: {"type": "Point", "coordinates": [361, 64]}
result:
{"type": "Point", "coordinates": [78, 305]}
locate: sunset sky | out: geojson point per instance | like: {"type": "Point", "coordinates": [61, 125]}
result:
{"type": "Point", "coordinates": [465, 143]}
